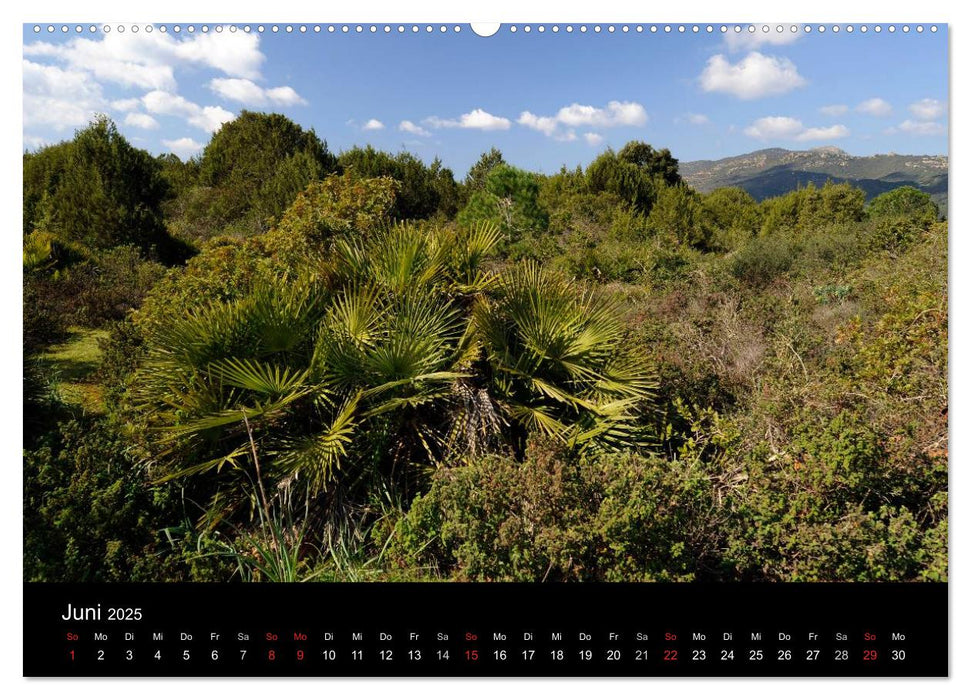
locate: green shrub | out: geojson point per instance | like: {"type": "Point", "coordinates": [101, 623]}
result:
{"type": "Point", "coordinates": [99, 191]}
{"type": "Point", "coordinates": [550, 518]}
{"type": "Point", "coordinates": [677, 214]}
{"type": "Point", "coordinates": [422, 190]}
{"type": "Point", "coordinates": [509, 200]}
{"type": "Point", "coordinates": [255, 165]}
{"type": "Point", "coordinates": [89, 514]}
{"type": "Point", "coordinates": [904, 203]}
{"type": "Point", "coordinates": [811, 207]}
{"type": "Point", "coordinates": [763, 259]}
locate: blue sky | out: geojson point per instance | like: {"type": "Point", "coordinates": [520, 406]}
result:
{"type": "Point", "coordinates": [545, 99]}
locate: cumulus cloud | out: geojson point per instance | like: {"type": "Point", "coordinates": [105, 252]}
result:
{"type": "Point", "coordinates": [791, 129]}
{"type": "Point", "coordinates": [372, 125]}
{"type": "Point", "coordinates": [918, 128]}
{"type": "Point", "coordinates": [824, 133]}
{"type": "Point", "coordinates": [247, 92]}
{"type": "Point", "coordinates": [774, 128]}
{"type": "Point", "coordinates": [875, 107]}
{"type": "Point", "coordinates": [141, 121]}
{"type": "Point", "coordinates": [149, 60]}
{"type": "Point", "coordinates": [593, 139]}
{"type": "Point", "coordinates": [127, 105]}
{"type": "Point", "coordinates": [755, 76]}
{"type": "Point", "coordinates": [928, 109]}
{"type": "Point", "coordinates": [208, 118]}
{"type": "Point", "coordinates": [547, 125]}
{"type": "Point", "coordinates": [560, 125]}
{"type": "Point", "coordinates": [697, 119]}
{"type": "Point", "coordinates": [476, 119]}
{"type": "Point", "coordinates": [184, 147]}
{"type": "Point", "coordinates": [746, 40]}
{"type": "Point", "coordinates": [59, 98]}
{"type": "Point", "coordinates": [834, 110]}
{"type": "Point", "coordinates": [410, 127]}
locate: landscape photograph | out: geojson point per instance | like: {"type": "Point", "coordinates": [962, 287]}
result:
{"type": "Point", "coordinates": [566, 303]}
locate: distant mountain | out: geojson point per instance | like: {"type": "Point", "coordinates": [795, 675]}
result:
{"type": "Point", "coordinates": [774, 171]}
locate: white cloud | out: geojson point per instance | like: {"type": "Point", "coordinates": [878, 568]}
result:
{"type": "Point", "coordinates": [372, 125]}
{"type": "Point", "coordinates": [211, 118]}
{"type": "Point", "coordinates": [149, 60]}
{"type": "Point", "coordinates": [746, 40]}
{"type": "Point", "coordinates": [875, 107]}
{"type": "Point", "coordinates": [918, 128]}
{"type": "Point", "coordinates": [928, 109]}
{"type": "Point", "coordinates": [410, 127]}
{"type": "Point", "coordinates": [547, 125]}
{"type": "Point", "coordinates": [774, 128]}
{"type": "Point", "coordinates": [593, 139]}
{"type": "Point", "coordinates": [697, 119]}
{"type": "Point", "coordinates": [161, 102]}
{"type": "Point", "coordinates": [754, 76]}
{"type": "Point", "coordinates": [615, 114]}
{"type": "Point", "coordinates": [207, 118]}
{"type": "Point", "coordinates": [234, 53]}
{"type": "Point", "coordinates": [142, 121]}
{"type": "Point", "coordinates": [59, 98]}
{"type": "Point", "coordinates": [284, 95]}
{"type": "Point", "coordinates": [247, 92]}
{"type": "Point", "coordinates": [476, 119]}
{"type": "Point", "coordinates": [127, 105]}
{"type": "Point", "coordinates": [559, 126]}
{"type": "Point", "coordinates": [790, 129]}
{"type": "Point", "coordinates": [184, 147]}
{"type": "Point", "coordinates": [824, 133]}
{"type": "Point", "coordinates": [834, 110]}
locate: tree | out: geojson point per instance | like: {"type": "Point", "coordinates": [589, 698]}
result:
{"type": "Point", "coordinates": [476, 177]}
{"type": "Point", "coordinates": [904, 203]}
{"type": "Point", "coordinates": [732, 209]}
{"type": "Point", "coordinates": [422, 191]}
{"type": "Point", "coordinates": [97, 190]}
{"type": "Point", "coordinates": [653, 163]}
{"type": "Point", "coordinates": [733, 214]}
{"type": "Point", "coordinates": [813, 207]}
{"type": "Point", "coordinates": [678, 212]}
{"type": "Point", "coordinates": [634, 174]}
{"type": "Point", "coordinates": [255, 165]}
{"type": "Point", "coordinates": [510, 200]}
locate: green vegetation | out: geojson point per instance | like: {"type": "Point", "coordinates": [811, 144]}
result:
{"type": "Point", "coordinates": [360, 369]}
{"type": "Point", "coordinates": [774, 171]}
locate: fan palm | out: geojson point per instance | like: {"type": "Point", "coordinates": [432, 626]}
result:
{"type": "Point", "coordinates": [555, 360]}
{"type": "Point", "coordinates": [405, 352]}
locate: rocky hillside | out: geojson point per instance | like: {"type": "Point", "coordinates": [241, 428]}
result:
{"type": "Point", "coordinates": [773, 171]}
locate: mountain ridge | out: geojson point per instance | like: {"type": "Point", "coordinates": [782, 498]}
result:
{"type": "Point", "coordinates": [770, 172]}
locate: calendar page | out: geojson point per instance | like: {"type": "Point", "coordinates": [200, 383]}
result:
{"type": "Point", "coordinates": [545, 349]}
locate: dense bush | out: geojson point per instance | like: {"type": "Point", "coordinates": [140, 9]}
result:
{"type": "Point", "coordinates": [904, 202]}
{"type": "Point", "coordinates": [635, 174]}
{"type": "Point", "coordinates": [761, 260]}
{"type": "Point", "coordinates": [102, 288]}
{"type": "Point", "coordinates": [509, 200]}
{"type": "Point", "coordinates": [402, 352]}
{"type": "Point", "coordinates": [552, 518]}
{"type": "Point", "coordinates": [90, 515]}
{"type": "Point", "coordinates": [421, 191]}
{"type": "Point", "coordinates": [811, 207]}
{"type": "Point", "coordinates": [733, 215]}
{"type": "Point", "coordinates": [253, 167]}
{"type": "Point", "coordinates": [98, 191]}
